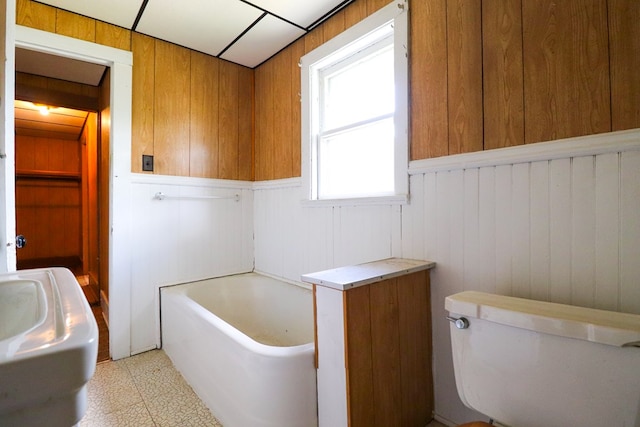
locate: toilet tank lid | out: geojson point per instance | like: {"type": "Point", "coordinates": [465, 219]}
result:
{"type": "Point", "coordinates": [601, 326]}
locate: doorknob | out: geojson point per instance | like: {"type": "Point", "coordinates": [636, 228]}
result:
{"type": "Point", "coordinates": [20, 241]}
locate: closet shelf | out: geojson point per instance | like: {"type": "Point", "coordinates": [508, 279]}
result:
{"type": "Point", "coordinates": [39, 174]}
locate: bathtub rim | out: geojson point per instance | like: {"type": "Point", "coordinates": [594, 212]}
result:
{"type": "Point", "coordinates": [232, 332]}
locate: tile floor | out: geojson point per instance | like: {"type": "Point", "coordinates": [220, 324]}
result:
{"type": "Point", "coordinates": [143, 390]}
{"type": "Point", "coordinates": [146, 390]}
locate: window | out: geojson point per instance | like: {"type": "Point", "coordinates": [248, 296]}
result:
{"type": "Point", "coordinates": [354, 112]}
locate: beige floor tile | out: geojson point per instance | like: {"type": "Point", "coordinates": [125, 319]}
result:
{"type": "Point", "coordinates": [180, 409]}
{"type": "Point", "coordinates": [135, 415]}
{"type": "Point", "coordinates": [143, 390]}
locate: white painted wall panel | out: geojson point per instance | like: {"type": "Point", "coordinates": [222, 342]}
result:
{"type": "Point", "coordinates": [629, 293]}
{"type": "Point", "coordinates": [557, 221]}
{"type": "Point", "coordinates": [181, 240]}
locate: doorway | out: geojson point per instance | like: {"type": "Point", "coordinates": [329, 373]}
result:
{"type": "Point", "coordinates": [117, 307]}
{"type": "Point", "coordinates": [62, 163]}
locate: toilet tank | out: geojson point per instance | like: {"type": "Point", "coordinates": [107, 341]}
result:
{"type": "Point", "coordinates": [529, 363]}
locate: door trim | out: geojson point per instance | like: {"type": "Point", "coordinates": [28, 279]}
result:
{"type": "Point", "coordinates": [120, 62]}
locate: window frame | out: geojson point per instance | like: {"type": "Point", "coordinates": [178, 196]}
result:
{"type": "Point", "coordinates": [396, 14]}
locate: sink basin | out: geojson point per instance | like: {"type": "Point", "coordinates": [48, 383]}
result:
{"type": "Point", "coordinates": [48, 348]}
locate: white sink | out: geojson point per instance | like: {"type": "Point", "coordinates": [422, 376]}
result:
{"type": "Point", "coordinates": [48, 348]}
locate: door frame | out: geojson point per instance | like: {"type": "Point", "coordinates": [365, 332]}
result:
{"type": "Point", "coordinates": [120, 62]}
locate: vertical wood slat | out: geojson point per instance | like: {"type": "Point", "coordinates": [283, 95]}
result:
{"type": "Point", "coordinates": [502, 73]}
{"type": "Point", "coordinates": [566, 69]}
{"type": "Point", "coordinates": [204, 117]}
{"type": "Point", "coordinates": [359, 362]}
{"type": "Point", "coordinates": [464, 38]}
{"type": "Point", "coordinates": [281, 107]}
{"type": "Point", "coordinates": [143, 99]}
{"type": "Point", "coordinates": [171, 109]}
{"type": "Point", "coordinates": [624, 48]}
{"type": "Point", "coordinates": [36, 15]}
{"type": "Point", "coordinates": [77, 26]}
{"type": "Point", "coordinates": [112, 35]}
{"type": "Point", "coordinates": [414, 325]}
{"type": "Point", "coordinates": [229, 125]}
{"type": "Point", "coordinates": [385, 330]}
{"type": "Point", "coordinates": [296, 106]}
{"type": "Point", "coordinates": [428, 70]}
{"type": "Point", "coordinates": [246, 124]}
{"type": "Point", "coordinates": [486, 279]}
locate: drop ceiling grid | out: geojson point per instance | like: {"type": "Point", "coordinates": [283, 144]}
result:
{"type": "Point", "coordinates": [204, 25]}
{"type": "Point", "coordinates": [229, 29]}
{"type": "Point", "coordinates": [262, 41]}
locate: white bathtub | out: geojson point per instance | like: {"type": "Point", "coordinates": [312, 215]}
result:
{"type": "Point", "coordinates": [245, 345]}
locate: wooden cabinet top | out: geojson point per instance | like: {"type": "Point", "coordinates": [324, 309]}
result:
{"type": "Point", "coordinates": [352, 276]}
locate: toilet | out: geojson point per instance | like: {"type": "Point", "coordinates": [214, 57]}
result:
{"type": "Point", "coordinates": [526, 363]}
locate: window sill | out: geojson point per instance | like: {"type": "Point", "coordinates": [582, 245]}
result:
{"type": "Point", "coordinates": [402, 199]}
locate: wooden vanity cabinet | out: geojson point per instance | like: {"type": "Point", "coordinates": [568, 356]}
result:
{"type": "Point", "coordinates": [373, 344]}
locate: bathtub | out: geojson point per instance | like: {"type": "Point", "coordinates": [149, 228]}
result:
{"type": "Point", "coordinates": [245, 345]}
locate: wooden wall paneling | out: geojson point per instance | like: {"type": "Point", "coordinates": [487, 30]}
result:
{"type": "Point", "coordinates": [264, 141]}
{"type": "Point", "coordinates": [355, 13]}
{"type": "Point", "coordinates": [245, 124]}
{"type": "Point", "coordinates": [36, 15]}
{"type": "Point", "coordinates": [313, 39]}
{"type": "Point", "coordinates": [283, 139]}
{"type": "Point", "coordinates": [566, 69]}
{"type": "Point", "coordinates": [171, 109]}
{"type": "Point", "coordinates": [334, 26]}
{"type": "Point", "coordinates": [624, 49]}
{"type": "Point", "coordinates": [464, 38]}
{"type": "Point", "coordinates": [143, 99]}
{"type": "Point", "coordinates": [502, 73]}
{"type": "Point", "coordinates": [374, 5]}
{"type": "Point", "coordinates": [359, 359]}
{"type": "Point", "coordinates": [112, 35]}
{"type": "Point", "coordinates": [385, 331]}
{"type": "Point", "coordinates": [204, 118]}
{"type": "Point", "coordinates": [76, 26]}
{"type": "Point", "coordinates": [297, 51]}
{"type": "Point", "coordinates": [428, 79]}
{"type": "Point", "coordinates": [229, 121]}
{"type": "Point", "coordinates": [260, 110]}
{"type": "Point", "coordinates": [414, 324]}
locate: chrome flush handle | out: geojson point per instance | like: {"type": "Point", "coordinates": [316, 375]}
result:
{"type": "Point", "coordinates": [461, 323]}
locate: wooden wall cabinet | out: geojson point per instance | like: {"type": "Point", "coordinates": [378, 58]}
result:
{"type": "Point", "coordinates": [373, 344]}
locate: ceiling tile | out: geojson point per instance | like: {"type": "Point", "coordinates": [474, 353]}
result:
{"type": "Point", "coordinates": [119, 12]}
{"type": "Point", "coordinates": [57, 67]}
{"type": "Point", "coordinates": [303, 13]}
{"type": "Point", "coordinates": [264, 40]}
{"type": "Point", "coordinates": [204, 25]}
